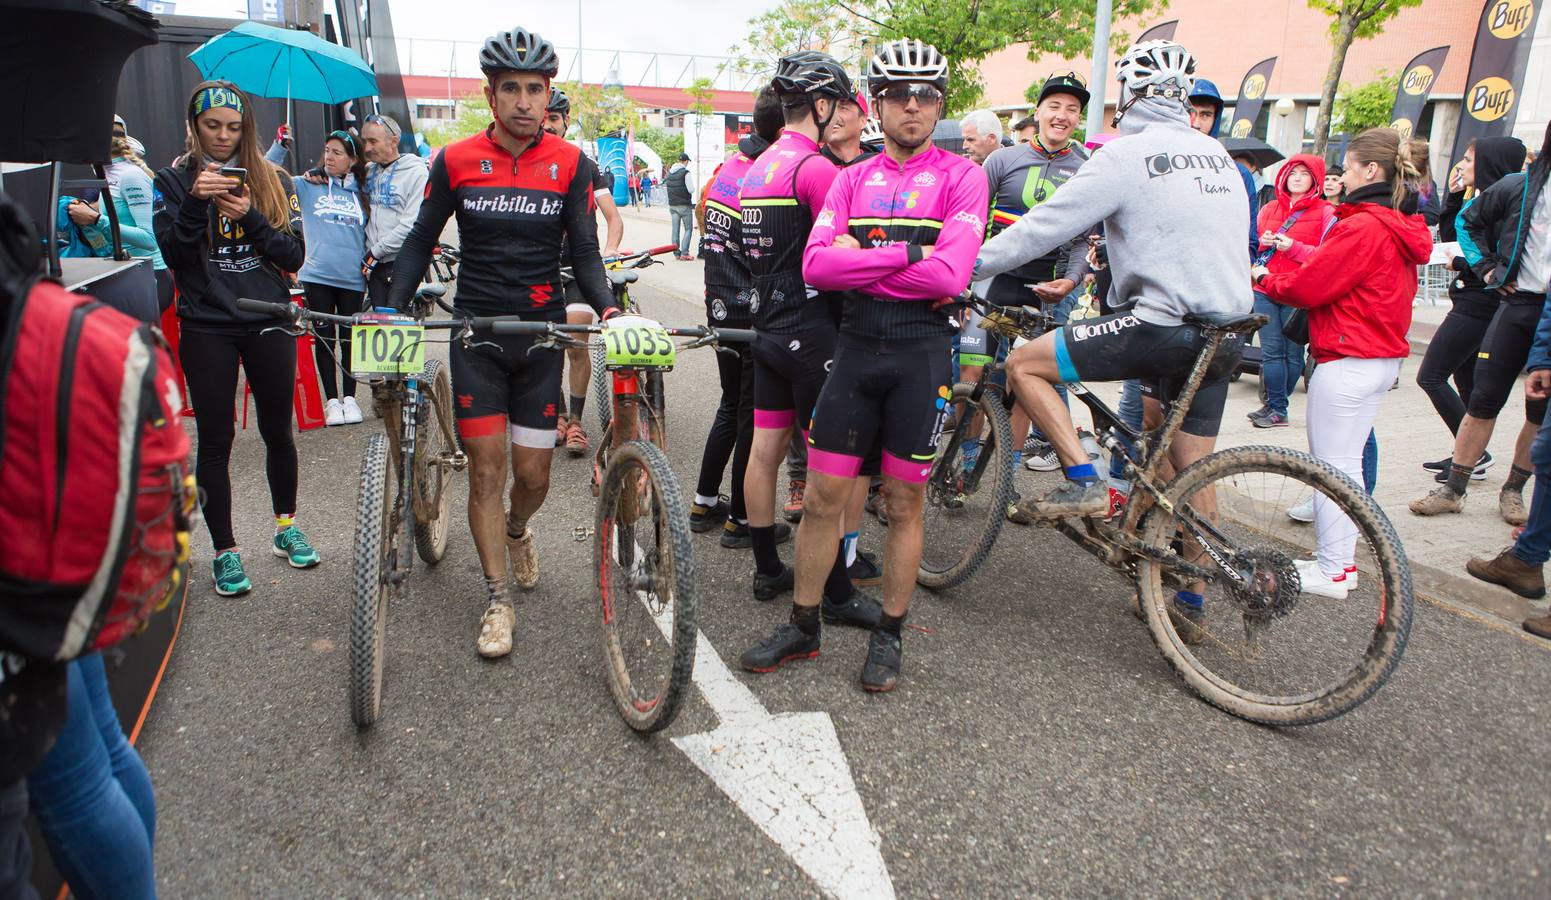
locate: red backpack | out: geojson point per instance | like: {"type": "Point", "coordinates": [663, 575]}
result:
{"type": "Point", "coordinates": [94, 472]}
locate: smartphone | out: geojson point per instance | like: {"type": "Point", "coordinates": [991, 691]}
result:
{"type": "Point", "coordinates": [238, 173]}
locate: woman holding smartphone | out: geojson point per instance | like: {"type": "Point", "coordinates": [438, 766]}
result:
{"type": "Point", "coordinates": [334, 216]}
{"type": "Point", "coordinates": [231, 228]}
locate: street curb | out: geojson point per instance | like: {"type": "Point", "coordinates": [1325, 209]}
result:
{"type": "Point", "coordinates": [1447, 589]}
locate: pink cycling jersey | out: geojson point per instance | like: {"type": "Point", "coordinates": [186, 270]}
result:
{"type": "Point", "coordinates": [894, 210]}
{"type": "Point", "coordinates": [782, 193]}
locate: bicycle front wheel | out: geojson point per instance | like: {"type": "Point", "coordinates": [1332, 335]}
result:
{"type": "Point", "coordinates": [646, 584]}
{"type": "Point", "coordinates": [1275, 641]}
{"type": "Point", "coordinates": [602, 384]}
{"type": "Point", "coordinates": [373, 563]}
{"type": "Point", "coordinates": [968, 490]}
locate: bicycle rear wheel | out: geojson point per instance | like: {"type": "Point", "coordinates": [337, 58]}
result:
{"type": "Point", "coordinates": [968, 490]}
{"type": "Point", "coordinates": [373, 563]}
{"type": "Point", "coordinates": [1270, 648]}
{"type": "Point", "coordinates": [645, 573]}
{"type": "Point", "coordinates": [435, 437]}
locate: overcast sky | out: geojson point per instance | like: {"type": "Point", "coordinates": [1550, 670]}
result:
{"type": "Point", "coordinates": [706, 27]}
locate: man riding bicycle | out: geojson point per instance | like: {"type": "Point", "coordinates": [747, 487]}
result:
{"type": "Point", "coordinates": [896, 235]}
{"type": "Point", "coordinates": [1173, 209]}
{"type": "Point", "coordinates": [517, 191]}
{"type": "Point", "coordinates": [569, 429]}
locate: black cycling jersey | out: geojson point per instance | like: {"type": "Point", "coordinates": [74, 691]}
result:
{"type": "Point", "coordinates": [512, 213]}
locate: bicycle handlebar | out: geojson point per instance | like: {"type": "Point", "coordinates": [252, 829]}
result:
{"type": "Point", "coordinates": [293, 313]}
{"type": "Point", "coordinates": [719, 335]}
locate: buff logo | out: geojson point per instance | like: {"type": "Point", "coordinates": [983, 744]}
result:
{"type": "Point", "coordinates": [1417, 81]}
{"type": "Point", "coordinates": [1163, 163]}
{"type": "Point", "coordinates": [517, 205]}
{"type": "Point", "coordinates": [1255, 86]}
{"type": "Point", "coordinates": [1510, 18]}
{"type": "Point", "coordinates": [970, 219]}
{"type": "Point", "coordinates": [1490, 99]}
{"type": "Point", "coordinates": [1081, 332]}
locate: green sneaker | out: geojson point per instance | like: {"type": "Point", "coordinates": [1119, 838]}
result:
{"type": "Point", "coordinates": [230, 579]}
{"type": "Point", "coordinates": [292, 545]}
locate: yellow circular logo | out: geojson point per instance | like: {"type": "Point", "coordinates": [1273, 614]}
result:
{"type": "Point", "coordinates": [1489, 99]}
{"type": "Point", "coordinates": [1507, 19]}
{"type": "Point", "coordinates": [1241, 128]}
{"type": "Point", "coordinates": [1403, 126]}
{"type": "Point", "coordinates": [1418, 80]}
{"type": "Point", "coordinates": [1255, 86]}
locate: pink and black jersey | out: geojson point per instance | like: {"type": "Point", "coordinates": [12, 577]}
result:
{"type": "Point", "coordinates": [894, 210]}
{"type": "Point", "coordinates": [727, 278]}
{"type": "Point", "coordinates": [782, 192]}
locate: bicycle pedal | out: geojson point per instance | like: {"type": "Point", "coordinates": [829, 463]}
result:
{"type": "Point", "coordinates": [581, 533]}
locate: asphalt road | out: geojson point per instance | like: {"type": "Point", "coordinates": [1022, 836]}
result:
{"type": "Point", "coordinates": [1037, 744]}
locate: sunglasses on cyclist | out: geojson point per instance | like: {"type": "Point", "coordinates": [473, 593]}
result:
{"type": "Point", "coordinates": [901, 94]}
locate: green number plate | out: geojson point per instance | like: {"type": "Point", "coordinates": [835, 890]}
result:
{"type": "Point", "coordinates": [387, 349]}
{"type": "Point", "coordinates": [638, 347]}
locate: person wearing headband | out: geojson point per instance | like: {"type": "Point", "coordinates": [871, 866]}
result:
{"type": "Point", "coordinates": [230, 226]}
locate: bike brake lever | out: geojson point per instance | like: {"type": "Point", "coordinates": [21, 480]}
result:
{"type": "Point", "coordinates": [294, 330]}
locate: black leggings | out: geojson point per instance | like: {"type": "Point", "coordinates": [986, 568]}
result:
{"type": "Point", "coordinates": [210, 368]}
{"type": "Point", "coordinates": [1452, 354]}
{"type": "Point", "coordinates": [325, 298]}
{"type": "Point", "coordinates": [1504, 351]}
{"type": "Point", "coordinates": [732, 432]}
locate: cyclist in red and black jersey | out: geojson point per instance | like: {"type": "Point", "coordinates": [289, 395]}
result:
{"type": "Point", "coordinates": [516, 191]}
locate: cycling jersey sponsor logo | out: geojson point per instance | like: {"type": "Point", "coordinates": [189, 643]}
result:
{"type": "Point", "coordinates": [718, 309]}
{"type": "Point", "coordinates": [1160, 164]}
{"type": "Point", "coordinates": [925, 179]}
{"type": "Point", "coordinates": [829, 366]}
{"type": "Point", "coordinates": [877, 179]}
{"type": "Point", "coordinates": [826, 219]}
{"type": "Point", "coordinates": [541, 294]}
{"type": "Point", "coordinates": [753, 216]}
{"type": "Point", "coordinates": [505, 203]}
{"type": "Point", "coordinates": [715, 218]}
{"type": "Point", "coordinates": [554, 171]}
{"type": "Point", "coordinates": [754, 296]}
{"type": "Point", "coordinates": [1082, 332]}
{"type": "Point", "coordinates": [895, 204]}
{"type": "Point", "coordinates": [794, 346]}
{"type": "Point", "coordinates": [970, 219]}
{"type": "Point", "coordinates": [878, 236]}
{"type": "Point", "coordinates": [485, 167]}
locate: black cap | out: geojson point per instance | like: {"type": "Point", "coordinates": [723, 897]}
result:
{"type": "Point", "coordinates": [1068, 83]}
{"type": "Point", "coordinates": [683, 157]}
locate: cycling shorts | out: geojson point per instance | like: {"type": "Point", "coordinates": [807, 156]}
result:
{"type": "Point", "coordinates": [507, 388]}
{"type": "Point", "coordinates": [1120, 346]}
{"type": "Point", "coordinates": [889, 396]}
{"type": "Point", "coordinates": [789, 372]}
{"type": "Point", "coordinates": [575, 302]}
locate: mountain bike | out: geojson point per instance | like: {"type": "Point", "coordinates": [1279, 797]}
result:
{"type": "Point", "coordinates": [1260, 647]}
{"type": "Point", "coordinates": [643, 561]}
{"type": "Point", "coordinates": [418, 449]}
{"type": "Point", "coordinates": [622, 271]}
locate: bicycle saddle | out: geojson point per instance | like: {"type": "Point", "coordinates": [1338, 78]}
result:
{"type": "Point", "coordinates": [620, 278]}
{"type": "Point", "coordinates": [432, 290]}
{"type": "Point", "coordinates": [1233, 323]}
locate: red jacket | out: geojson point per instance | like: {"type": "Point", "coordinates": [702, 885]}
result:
{"type": "Point", "coordinates": [1359, 284]}
{"type": "Point", "coordinates": [1309, 228]}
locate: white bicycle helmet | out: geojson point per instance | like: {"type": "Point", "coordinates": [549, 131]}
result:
{"type": "Point", "coordinates": [872, 132]}
{"type": "Point", "coordinates": [906, 60]}
{"type": "Point", "coordinates": [1154, 69]}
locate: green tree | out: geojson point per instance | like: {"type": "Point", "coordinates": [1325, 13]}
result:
{"type": "Point", "coordinates": [668, 146]}
{"type": "Point", "coordinates": [596, 110]}
{"type": "Point", "coordinates": [1364, 105]}
{"type": "Point", "coordinates": [797, 25]}
{"type": "Point", "coordinates": [1352, 19]}
{"type": "Point", "coordinates": [968, 32]}
{"type": "Point", "coordinates": [471, 115]}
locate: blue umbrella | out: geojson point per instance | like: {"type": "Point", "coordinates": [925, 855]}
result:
{"type": "Point", "coordinates": [278, 62]}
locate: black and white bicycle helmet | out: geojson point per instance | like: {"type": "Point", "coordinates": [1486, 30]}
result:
{"type": "Point", "coordinates": [519, 50]}
{"type": "Point", "coordinates": [812, 72]}
{"type": "Point", "coordinates": [558, 102]}
{"type": "Point", "coordinates": [906, 60]}
{"type": "Point", "coordinates": [1156, 69]}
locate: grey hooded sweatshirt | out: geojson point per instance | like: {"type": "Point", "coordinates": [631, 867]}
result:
{"type": "Point", "coordinates": [1174, 213]}
{"type": "Point", "coordinates": [396, 191]}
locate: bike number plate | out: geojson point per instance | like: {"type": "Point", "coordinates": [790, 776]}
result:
{"type": "Point", "coordinates": [387, 349]}
{"type": "Point", "coordinates": [638, 347]}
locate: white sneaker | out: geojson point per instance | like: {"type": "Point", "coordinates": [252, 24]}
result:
{"type": "Point", "coordinates": [352, 411]}
{"type": "Point", "coordinates": [1047, 461]}
{"type": "Point", "coordinates": [1303, 512]}
{"type": "Point", "coordinates": [495, 630]}
{"type": "Point", "coordinates": [333, 413]}
{"type": "Point", "coordinates": [1316, 582]}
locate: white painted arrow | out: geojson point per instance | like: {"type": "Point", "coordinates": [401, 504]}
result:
{"type": "Point", "coordinates": [790, 775]}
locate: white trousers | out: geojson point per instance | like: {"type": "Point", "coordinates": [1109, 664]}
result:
{"type": "Point", "coordinates": [1344, 397]}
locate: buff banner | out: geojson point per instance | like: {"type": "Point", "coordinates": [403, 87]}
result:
{"type": "Point", "coordinates": [1497, 65]}
{"type": "Point", "coordinates": [1163, 31]}
{"type": "Point", "coordinates": [1416, 82]}
{"type": "Point", "coordinates": [1252, 96]}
